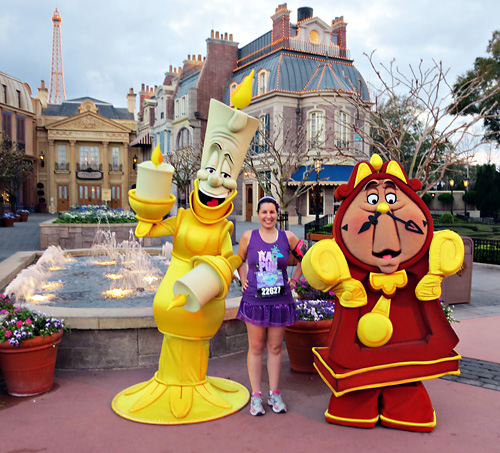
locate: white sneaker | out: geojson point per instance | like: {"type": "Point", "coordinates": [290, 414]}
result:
{"type": "Point", "coordinates": [256, 407]}
{"type": "Point", "coordinates": [276, 402]}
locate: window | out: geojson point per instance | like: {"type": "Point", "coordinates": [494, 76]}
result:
{"type": "Point", "coordinates": [316, 128]}
{"type": "Point", "coordinates": [18, 98]}
{"type": "Point", "coordinates": [183, 138]}
{"type": "Point", "coordinates": [89, 157]}
{"type": "Point", "coordinates": [61, 157]}
{"type": "Point", "coordinates": [265, 180]}
{"type": "Point", "coordinates": [4, 90]}
{"type": "Point", "coordinates": [342, 130]}
{"type": "Point", "coordinates": [259, 142]}
{"type": "Point", "coordinates": [169, 149]}
{"type": "Point", "coordinates": [7, 125]}
{"type": "Point", "coordinates": [316, 200]}
{"type": "Point", "coordinates": [21, 133]}
{"type": "Point", "coordinates": [115, 158]}
{"type": "Point", "coordinates": [176, 108]}
{"type": "Point", "coordinates": [262, 81]}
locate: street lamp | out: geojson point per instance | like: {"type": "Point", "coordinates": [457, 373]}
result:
{"type": "Point", "coordinates": [134, 162]}
{"type": "Point", "coordinates": [452, 183]}
{"type": "Point", "coordinates": [317, 167]}
{"type": "Point", "coordinates": [466, 184]}
{"type": "Point", "coordinates": [42, 159]}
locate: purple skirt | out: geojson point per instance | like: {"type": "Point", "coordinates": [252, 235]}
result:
{"type": "Point", "coordinates": [279, 315]}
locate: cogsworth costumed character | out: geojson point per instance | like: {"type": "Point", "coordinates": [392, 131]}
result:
{"type": "Point", "coordinates": [389, 331]}
{"type": "Point", "coordinates": [189, 305]}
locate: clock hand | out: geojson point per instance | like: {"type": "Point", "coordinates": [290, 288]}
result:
{"type": "Point", "coordinates": [410, 225]}
{"type": "Point", "coordinates": [372, 220]}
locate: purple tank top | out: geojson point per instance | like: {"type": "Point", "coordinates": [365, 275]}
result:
{"type": "Point", "coordinates": [267, 271]}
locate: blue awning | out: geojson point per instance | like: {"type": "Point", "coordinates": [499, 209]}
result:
{"type": "Point", "coordinates": [329, 175]}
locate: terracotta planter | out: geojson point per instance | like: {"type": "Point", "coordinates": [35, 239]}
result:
{"type": "Point", "coordinates": [23, 217]}
{"type": "Point", "coordinates": [17, 218]}
{"type": "Point", "coordinates": [7, 222]}
{"type": "Point", "coordinates": [29, 369]}
{"type": "Point", "coordinates": [301, 338]}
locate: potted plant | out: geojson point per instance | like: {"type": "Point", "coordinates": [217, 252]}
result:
{"type": "Point", "coordinates": [7, 220]}
{"type": "Point", "coordinates": [28, 348]}
{"type": "Point", "coordinates": [315, 310]}
{"type": "Point", "coordinates": [23, 214]}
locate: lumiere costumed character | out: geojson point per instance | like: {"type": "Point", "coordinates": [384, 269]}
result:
{"type": "Point", "coordinates": [189, 305]}
{"type": "Point", "coordinates": [389, 331]}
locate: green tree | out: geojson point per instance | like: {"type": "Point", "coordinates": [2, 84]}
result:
{"type": "Point", "coordinates": [487, 188]}
{"type": "Point", "coordinates": [478, 90]}
{"type": "Point", "coordinates": [14, 168]}
{"type": "Point", "coordinates": [410, 120]}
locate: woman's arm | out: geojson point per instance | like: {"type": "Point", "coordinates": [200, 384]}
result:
{"type": "Point", "coordinates": [243, 251]}
{"type": "Point", "coordinates": [293, 240]}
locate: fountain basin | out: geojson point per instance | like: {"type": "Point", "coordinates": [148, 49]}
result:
{"type": "Point", "coordinates": [113, 338]}
{"type": "Point", "coordinates": [81, 235]}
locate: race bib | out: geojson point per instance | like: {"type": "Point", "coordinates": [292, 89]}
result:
{"type": "Point", "coordinates": [270, 284]}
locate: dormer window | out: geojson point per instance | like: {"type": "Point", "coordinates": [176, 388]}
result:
{"type": "Point", "coordinates": [263, 77]}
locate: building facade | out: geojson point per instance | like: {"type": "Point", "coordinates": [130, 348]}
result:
{"type": "Point", "coordinates": [304, 78]}
{"type": "Point", "coordinates": [18, 126]}
{"type": "Point", "coordinates": [84, 152]}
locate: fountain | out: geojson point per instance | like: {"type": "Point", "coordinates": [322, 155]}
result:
{"type": "Point", "coordinates": [81, 286]}
{"type": "Point", "coordinates": [122, 271]}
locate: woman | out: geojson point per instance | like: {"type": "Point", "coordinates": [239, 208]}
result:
{"type": "Point", "coordinates": [267, 304]}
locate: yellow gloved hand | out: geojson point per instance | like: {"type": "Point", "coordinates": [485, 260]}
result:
{"type": "Point", "coordinates": [446, 256]}
{"type": "Point", "coordinates": [351, 293]}
{"type": "Point", "coordinates": [429, 288]}
{"type": "Point", "coordinates": [149, 212]}
{"type": "Point", "coordinates": [325, 268]}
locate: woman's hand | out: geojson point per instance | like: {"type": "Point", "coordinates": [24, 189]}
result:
{"type": "Point", "coordinates": [293, 284]}
{"type": "Point", "coordinates": [244, 285]}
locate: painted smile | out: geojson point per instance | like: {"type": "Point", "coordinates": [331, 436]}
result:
{"type": "Point", "coordinates": [386, 254]}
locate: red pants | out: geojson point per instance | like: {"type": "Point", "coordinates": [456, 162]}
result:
{"type": "Point", "coordinates": [405, 406]}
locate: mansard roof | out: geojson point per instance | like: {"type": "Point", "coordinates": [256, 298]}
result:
{"type": "Point", "coordinates": [70, 108]}
{"type": "Point", "coordinates": [300, 72]}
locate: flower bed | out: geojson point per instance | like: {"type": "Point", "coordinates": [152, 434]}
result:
{"type": "Point", "coordinates": [95, 214]}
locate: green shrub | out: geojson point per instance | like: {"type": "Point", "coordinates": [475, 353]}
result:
{"type": "Point", "coordinates": [427, 198]}
{"type": "Point", "coordinates": [446, 198]}
{"type": "Point", "coordinates": [447, 217]}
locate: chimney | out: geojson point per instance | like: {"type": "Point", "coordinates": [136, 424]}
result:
{"type": "Point", "coordinates": [131, 101]}
{"type": "Point", "coordinates": [42, 94]}
{"type": "Point", "coordinates": [339, 29]}
{"type": "Point", "coordinates": [281, 24]}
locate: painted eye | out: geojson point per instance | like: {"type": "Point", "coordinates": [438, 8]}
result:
{"type": "Point", "coordinates": [372, 198]}
{"type": "Point", "coordinates": [391, 198]}
{"type": "Point", "coordinates": [210, 170]}
{"type": "Point", "coordinates": [225, 175]}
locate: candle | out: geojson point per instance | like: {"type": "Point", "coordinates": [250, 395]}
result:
{"type": "Point", "coordinates": [154, 178]}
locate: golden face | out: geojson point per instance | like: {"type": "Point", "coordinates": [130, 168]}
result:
{"type": "Point", "coordinates": [383, 227]}
{"type": "Point", "coordinates": [216, 178]}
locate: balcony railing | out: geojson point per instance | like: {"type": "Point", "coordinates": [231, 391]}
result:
{"type": "Point", "coordinates": [322, 49]}
{"type": "Point", "coordinates": [62, 166]}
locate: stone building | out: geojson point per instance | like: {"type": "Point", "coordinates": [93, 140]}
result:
{"type": "Point", "coordinates": [86, 154]}
{"type": "Point", "coordinates": [18, 124]}
{"type": "Point", "coordinates": [303, 79]}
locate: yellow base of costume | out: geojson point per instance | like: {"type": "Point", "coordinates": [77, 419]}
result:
{"type": "Point", "coordinates": [180, 392]}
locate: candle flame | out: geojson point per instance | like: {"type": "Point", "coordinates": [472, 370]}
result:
{"type": "Point", "coordinates": [156, 157]}
{"type": "Point", "coordinates": [242, 94]}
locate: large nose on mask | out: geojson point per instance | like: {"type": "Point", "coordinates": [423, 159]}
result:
{"type": "Point", "coordinates": [383, 208]}
{"type": "Point", "coordinates": [215, 180]}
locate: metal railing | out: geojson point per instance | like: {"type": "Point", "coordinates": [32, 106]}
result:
{"type": "Point", "coordinates": [486, 251]}
{"type": "Point", "coordinates": [313, 227]}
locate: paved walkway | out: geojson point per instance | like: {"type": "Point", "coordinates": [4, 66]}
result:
{"type": "Point", "coordinates": [76, 416]}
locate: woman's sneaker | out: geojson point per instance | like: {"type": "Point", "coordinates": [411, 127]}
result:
{"type": "Point", "coordinates": [275, 401]}
{"type": "Point", "coordinates": [256, 407]}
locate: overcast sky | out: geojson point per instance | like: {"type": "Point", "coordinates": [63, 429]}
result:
{"type": "Point", "coordinates": [110, 46]}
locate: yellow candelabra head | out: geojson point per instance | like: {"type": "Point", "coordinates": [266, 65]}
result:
{"type": "Point", "coordinates": [157, 157]}
{"type": "Point", "coordinates": [242, 94]}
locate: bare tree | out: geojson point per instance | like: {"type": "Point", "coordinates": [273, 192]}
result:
{"type": "Point", "coordinates": [416, 120]}
{"type": "Point", "coordinates": [186, 163]}
{"type": "Point", "coordinates": [276, 155]}
{"type": "Point", "coordinates": [14, 169]}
